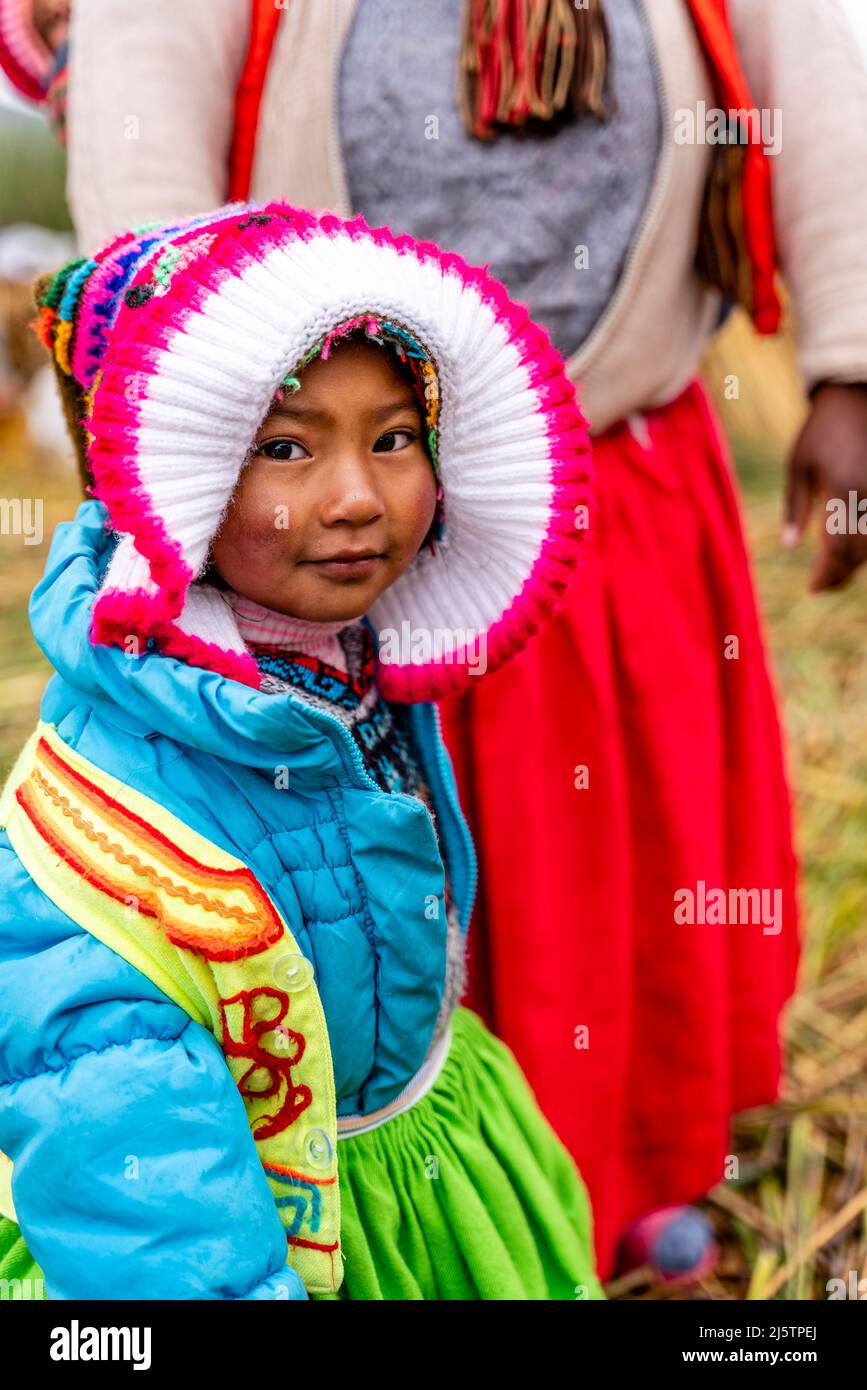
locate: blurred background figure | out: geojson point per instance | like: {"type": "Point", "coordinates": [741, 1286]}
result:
{"type": "Point", "coordinates": [34, 37]}
{"type": "Point", "coordinates": [27, 383]}
{"type": "Point", "coordinates": [33, 59]}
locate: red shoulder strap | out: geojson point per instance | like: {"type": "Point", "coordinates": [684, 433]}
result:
{"type": "Point", "coordinates": [714, 29]}
{"type": "Point", "coordinates": [264, 18]}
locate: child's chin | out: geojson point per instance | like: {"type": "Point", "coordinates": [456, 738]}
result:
{"type": "Point", "coordinates": [348, 613]}
{"type": "Point", "coordinates": [348, 599]}
{"type": "Point", "coordinates": [335, 607]}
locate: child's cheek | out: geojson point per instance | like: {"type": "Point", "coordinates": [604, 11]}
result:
{"type": "Point", "coordinates": [421, 506]}
{"type": "Point", "coordinates": [263, 520]}
{"type": "Point", "coordinates": [265, 553]}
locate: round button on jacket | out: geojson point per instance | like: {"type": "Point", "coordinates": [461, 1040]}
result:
{"type": "Point", "coordinates": [293, 972]}
{"type": "Point", "coordinates": [318, 1149]}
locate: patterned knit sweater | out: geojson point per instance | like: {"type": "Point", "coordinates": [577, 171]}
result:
{"type": "Point", "coordinates": [332, 667]}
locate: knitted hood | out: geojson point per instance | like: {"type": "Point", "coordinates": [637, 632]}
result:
{"type": "Point", "coordinates": [170, 343]}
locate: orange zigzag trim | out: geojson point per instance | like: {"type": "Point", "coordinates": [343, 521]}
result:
{"type": "Point", "coordinates": [267, 926]}
{"type": "Point", "coordinates": [284, 1172]}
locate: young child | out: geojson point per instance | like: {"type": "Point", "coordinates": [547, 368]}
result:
{"type": "Point", "coordinates": [335, 473]}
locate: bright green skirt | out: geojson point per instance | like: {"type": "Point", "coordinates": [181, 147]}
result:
{"type": "Point", "coordinates": [469, 1194]}
{"type": "Point", "coordinates": [20, 1275]}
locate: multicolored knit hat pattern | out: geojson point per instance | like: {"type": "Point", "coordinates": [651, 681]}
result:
{"type": "Point", "coordinates": [170, 344]}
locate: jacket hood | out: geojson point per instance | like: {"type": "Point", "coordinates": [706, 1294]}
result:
{"type": "Point", "coordinates": [153, 691]}
{"type": "Point", "coordinates": [169, 345]}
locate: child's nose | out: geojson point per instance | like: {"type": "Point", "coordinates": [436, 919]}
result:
{"type": "Point", "coordinates": [353, 491]}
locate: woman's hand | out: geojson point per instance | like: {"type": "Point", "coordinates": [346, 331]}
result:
{"type": "Point", "coordinates": [829, 461]}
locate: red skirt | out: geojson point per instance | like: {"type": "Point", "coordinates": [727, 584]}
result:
{"type": "Point", "coordinates": [628, 758]}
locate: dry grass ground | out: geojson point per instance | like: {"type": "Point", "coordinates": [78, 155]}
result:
{"type": "Point", "coordinates": [797, 1214]}
{"type": "Point", "coordinates": [23, 669]}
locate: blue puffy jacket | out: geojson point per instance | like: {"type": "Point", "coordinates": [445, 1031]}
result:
{"type": "Point", "coordinates": [97, 1064]}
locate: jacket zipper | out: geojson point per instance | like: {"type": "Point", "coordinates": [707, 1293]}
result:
{"type": "Point", "coordinates": [429, 714]}
{"type": "Point", "coordinates": [461, 840]}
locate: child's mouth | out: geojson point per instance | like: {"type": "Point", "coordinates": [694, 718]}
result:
{"type": "Point", "coordinates": [348, 564]}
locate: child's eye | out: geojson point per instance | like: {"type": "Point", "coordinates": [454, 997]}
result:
{"type": "Point", "coordinates": [387, 440]}
{"type": "Point", "coordinates": [281, 449]}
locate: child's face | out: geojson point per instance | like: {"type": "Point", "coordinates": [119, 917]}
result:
{"type": "Point", "coordinates": [339, 494]}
